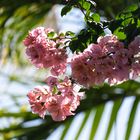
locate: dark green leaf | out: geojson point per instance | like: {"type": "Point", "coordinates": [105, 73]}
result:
{"type": "Point", "coordinates": [66, 9]}
{"type": "Point", "coordinates": [114, 24]}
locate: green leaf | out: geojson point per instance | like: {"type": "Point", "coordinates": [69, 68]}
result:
{"type": "Point", "coordinates": [87, 114]}
{"type": "Point", "coordinates": [87, 14]}
{"type": "Point", "coordinates": [130, 86]}
{"type": "Point", "coordinates": [96, 121]}
{"type": "Point", "coordinates": [86, 5]}
{"type": "Point", "coordinates": [139, 137]}
{"type": "Point", "coordinates": [62, 35]}
{"type": "Point", "coordinates": [96, 17]}
{"type": "Point", "coordinates": [51, 34]}
{"type": "Point", "coordinates": [132, 8]}
{"type": "Point", "coordinates": [113, 116]}
{"type": "Point", "coordinates": [131, 118]}
{"type": "Point", "coordinates": [69, 33]}
{"type": "Point", "coordinates": [119, 34]}
{"type": "Point", "coordinates": [66, 9]}
{"type": "Point", "coordinates": [66, 128]}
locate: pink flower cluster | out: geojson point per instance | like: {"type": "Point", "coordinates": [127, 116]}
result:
{"type": "Point", "coordinates": [107, 61]}
{"type": "Point", "coordinates": [44, 52]}
{"type": "Point", "coordinates": [134, 52]}
{"type": "Point", "coordinates": [60, 99]}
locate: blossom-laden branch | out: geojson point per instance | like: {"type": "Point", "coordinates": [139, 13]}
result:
{"type": "Point", "coordinates": [108, 60]}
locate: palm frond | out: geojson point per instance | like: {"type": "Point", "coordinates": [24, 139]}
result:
{"type": "Point", "coordinates": [94, 98]}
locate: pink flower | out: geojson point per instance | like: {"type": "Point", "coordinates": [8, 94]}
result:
{"type": "Point", "coordinates": [59, 107]}
{"type": "Point", "coordinates": [94, 51]}
{"type": "Point", "coordinates": [118, 67]}
{"type": "Point", "coordinates": [65, 86]}
{"type": "Point", "coordinates": [58, 69]}
{"type": "Point", "coordinates": [74, 97]}
{"type": "Point", "coordinates": [107, 60]}
{"type": "Point", "coordinates": [134, 46]}
{"type": "Point", "coordinates": [51, 81]}
{"type": "Point", "coordinates": [121, 57]}
{"type": "Point", "coordinates": [43, 52]}
{"type": "Point", "coordinates": [119, 75]}
{"type": "Point", "coordinates": [81, 71]}
{"type": "Point", "coordinates": [59, 56]}
{"type": "Point", "coordinates": [60, 103]}
{"type": "Point", "coordinates": [36, 55]}
{"type": "Point", "coordinates": [55, 57]}
{"type": "Point", "coordinates": [37, 46]}
{"type": "Point", "coordinates": [109, 43]}
{"type": "Point", "coordinates": [36, 36]}
{"type": "Point", "coordinates": [134, 53]}
{"type": "Point", "coordinates": [37, 99]}
{"type": "Point", "coordinates": [135, 71]}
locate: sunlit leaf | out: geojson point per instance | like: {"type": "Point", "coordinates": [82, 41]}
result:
{"type": "Point", "coordinates": [87, 114]}
{"type": "Point", "coordinates": [113, 117]}
{"type": "Point", "coordinates": [98, 114]}
{"type": "Point", "coordinates": [66, 128]}
{"type": "Point", "coordinates": [131, 119]}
